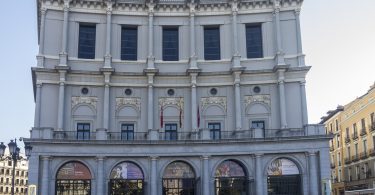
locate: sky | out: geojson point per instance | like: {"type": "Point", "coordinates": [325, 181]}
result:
{"type": "Point", "coordinates": [338, 39]}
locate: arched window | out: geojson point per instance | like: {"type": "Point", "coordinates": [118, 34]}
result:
{"type": "Point", "coordinates": [230, 178]}
{"type": "Point", "coordinates": [126, 178]}
{"type": "Point", "coordinates": [283, 177]}
{"type": "Point", "coordinates": [179, 179]}
{"type": "Point", "coordinates": [73, 178]}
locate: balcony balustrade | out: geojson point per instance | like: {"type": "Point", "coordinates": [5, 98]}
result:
{"type": "Point", "coordinates": [347, 161]}
{"type": "Point", "coordinates": [363, 132]}
{"type": "Point", "coordinates": [372, 152]}
{"type": "Point", "coordinates": [347, 139]}
{"type": "Point", "coordinates": [354, 136]}
{"type": "Point", "coordinates": [333, 165]}
{"type": "Point", "coordinates": [355, 158]}
{"type": "Point", "coordinates": [202, 134]}
{"type": "Point", "coordinates": [363, 155]}
{"type": "Point", "coordinates": [372, 127]}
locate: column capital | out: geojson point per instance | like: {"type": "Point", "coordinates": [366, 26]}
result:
{"type": "Point", "coordinates": [302, 83]}
{"type": "Point", "coordinates": [311, 153]}
{"type": "Point", "coordinates": [66, 5]}
{"type": "Point", "coordinates": [258, 155]}
{"type": "Point", "coordinates": [46, 157]}
{"type": "Point", "coordinates": [100, 158]}
{"type": "Point", "coordinates": [43, 11]}
{"type": "Point", "coordinates": [154, 158]}
{"type": "Point", "coordinates": [297, 11]}
{"type": "Point", "coordinates": [205, 157]}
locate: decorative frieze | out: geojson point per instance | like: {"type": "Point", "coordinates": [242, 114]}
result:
{"type": "Point", "coordinates": [220, 101]}
{"type": "Point", "coordinates": [265, 99]}
{"type": "Point", "coordinates": [92, 101]}
{"type": "Point", "coordinates": [134, 102]}
{"type": "Point", "coordinates": [175, 101]}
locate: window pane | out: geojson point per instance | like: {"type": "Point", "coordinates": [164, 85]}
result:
{"type": "Point", "coordinates": [129, 37]}
{"type": "Point", "coordinates": [254, 43]}
{"type": "Point", "coordinates": [170, 44]}
{"type": "Point", "coordinates": [86, 43]}
{"type": "Point", "coordinates": [212, 43]}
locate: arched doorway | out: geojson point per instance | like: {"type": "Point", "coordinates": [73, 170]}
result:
{"type": "Point", "coordinates": [283, 178]}
{"type": "Point", "coordinates": [230, 178]}
{"type": "Point", "coordinates": [126, 179]}
{"type": "Point", "coordinates": [179, 179]}
{"type": "Point", "coordinates": [73, 178]}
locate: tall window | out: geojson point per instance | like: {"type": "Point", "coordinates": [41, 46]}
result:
{"type": "Point", "coordinates": [86, 43]}
{"type": "Point", "coordinates": [372, 119]}
{"type": "Point", "coordinates": [171, 131]}
{"type": "Point", "coordinates": [170, 43]}
{"type": "Point", "coordinates": [350, 174]}
{"type": "Point", "coordinates": [337, 125]}
{"type": "Point", "coordinates": [339, 158]}
{"type": "Point", "coordinates": [254, 43]}
{"type": "Point", "coordinates": [214, 130]}
{"type": "Point", "coordinates": [355, 129]}
{"type": "Point", "coordinates": [365, 147]}
{"type": "Point", "coordinates": [338, 141]}
{"type": "Point", "coordinates": [356, 150]}
{"type": "Point", "coordinates": [83, 131]}
{"type": "Point", "coordinates": [357, 172]}
{"type": "Point", "coordinates": [129, 37]}
{"type": "Point", "coordinates": [212, 43]}
{"type": "Point", "coordinates": [127, 131]}
{"type": "Point", "coordinates": [347, 133]}
{"type": "Point", "coordinates": [363, 124]}
{"type": "Point", "coordinates": [348, 151]}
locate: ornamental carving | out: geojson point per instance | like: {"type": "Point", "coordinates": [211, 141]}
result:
{"type": "Point", "coordinates": [221, 101]}
{"type": "Point", "coordinates": [178, 101]}
{"type": "Point", "coordinates": [92, 101]}
{"type": "Point", "coordinates": [135, 102]}
{"type": "Point", "coordinates": [266, 99]}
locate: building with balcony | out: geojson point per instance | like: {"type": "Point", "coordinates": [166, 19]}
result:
{"type": "Point", "coordinates": [20, 180]}
{"type": "Point", "coordinates": [353, 127]}
{"type": "Point", "coordinates": [173, 97]}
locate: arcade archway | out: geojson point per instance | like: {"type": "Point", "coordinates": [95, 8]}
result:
{"type": "Point", "coordinates": [230, 178]}
{"type": "Point", "coordinates": [126, 179]}
{"type": "Point", "coordinates": [283, 178]}
{"type": "Point", "coordinates": [179, 179]}
{"type": "Point", "coordinates": [73, 178]}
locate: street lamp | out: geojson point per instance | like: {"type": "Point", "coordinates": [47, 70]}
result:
{"type": "Point", "coordinates": [14, 151]}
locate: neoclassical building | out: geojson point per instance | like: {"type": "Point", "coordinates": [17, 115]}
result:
{"type": "Point", "coordinates": [173, 97]}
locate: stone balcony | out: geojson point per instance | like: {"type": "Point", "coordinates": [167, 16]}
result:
{"type": "Point", "coordinates": [160, 135]}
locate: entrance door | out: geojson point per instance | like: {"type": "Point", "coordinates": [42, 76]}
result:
{"type": "Point", "coordinates": [284, 185]}
{"type": "Point", "coordinates": [179, 179]}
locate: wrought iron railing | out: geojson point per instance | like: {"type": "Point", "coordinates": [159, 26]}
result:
{"type": "Point", "coordinates": [363, 155]}
{"type": "Point", "coordinates": [127, 136]}
{"type": "Point", "coordinates": [347, 160]}
{"type": "Point", "coordinates": [354, 136]}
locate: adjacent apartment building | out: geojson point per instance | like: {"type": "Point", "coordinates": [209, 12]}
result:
{"type": "Point", "coordinates": [352, 148]}
{"type": "Point", "coordinates": [173, 97]}
{"type": "Point", "coordinates": [20, 180]}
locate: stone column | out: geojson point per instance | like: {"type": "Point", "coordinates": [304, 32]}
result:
{"type": "Point", "coordinates": [194, 121]}
{"type": "Point", "coordinates": [258, 174]}
{"type": "Point", "coordinates": [100, 181]}
{"type": "Point", "coordinates": [64, 42]}
{"type": "Point", "coordinates": [60, 111]}
{"type": "Point", "coordinates": [303, 102]}
{"type": "Point", "coordinates": [193, 56]}
{"type": "Point", "coordinates": [206, 175]}
{"type": "Point", "coordinates": [314, 188]}
{"type": "Point", "coordinates": [236, 54]}
{"type": "Point", "coordinates": [301, 60]}
{"type": "Point", "coordinates": [283, 120]}
{"type": "Point", "coordinates": [151, 57]}
{"type": "Point", "coordinates": [280, 52]}
{"type": "Point", "coordinates": [40, 56]}
{"type": "Point", "coordinates": [45, 174]}
{"type": "Point", "coordinates": [153, 133]}
{"type": "Point", "coordinates": [237, 99]}
{"type": "Point", "coordinates": [37, 104]}
{"type": "Point", "coordinates": [154, 175]}
{"type": "Point", "coordinates": [108, 57]}
{"type": "Point", "coordinates": [106, 100]}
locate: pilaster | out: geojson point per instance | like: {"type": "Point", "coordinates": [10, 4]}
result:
{"type": "Point", "coordinates": [106, 111]}
{"type": "Point", "coordinates": [258, 174]}
{"type": "Point", "coordinates": [314, 188]}
{"type": "Point", "coordinates": [38, 104]}
{"type": "Point", "coordinates": [108, 56]}
{"type": "Point", "coordinates": [236, 54]}
{"type": "Point", "coordinates": [237, 99]}
{"type": "Point", "coordinates": [282, 100]}
{"type": "Point", "coordinates": [61, 101]}
{"type": "Point", "coordinates": [40, 56]}
{"type": "Point", "coordinates": [301, 60]}
{"type": "Point", "coordinates": [63, 56]}
{"type": "Point", "coordinates": [194, 105]}
{"type": "Point", "coordinates": [303, 103]}
{"type": "Point", "coordinates": [100, 181]}
{"type": "Point", "coordinates": [193, 56]}
{"type": "Point", "coordinates": [45, 174]}
{"type": "Point", "coordinates": [153, 176]}
{"type": "Point", "coordinates": [280, 60]}
{"type": "Point", "coordinates": [151, 57]}
{"type": "Point", "coordinates": [206, 174]}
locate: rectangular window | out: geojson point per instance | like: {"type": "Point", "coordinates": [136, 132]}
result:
{"type": "Point", "coordinates": [83, 131]}
{"type": "Point", "coordinates": [350, 174]}
{"type": "Point", "coordinates": [356, 150]}
{"type": "Point", "coordinates": [372, 119]}
{"type": "Point", "coordinates": [129, 37]}
{"type": "Point", "coordinates": [337, 125]}
{"type": "Point", "coordinates": [170, 44]}
{"type": "Point", "coordinates": [170, 131]}
{"type": "Point", "coordinates": [338, 141]}
{"type": "Point", "coordinates": [339, 159]}
{"type": "Point", "coordinates": [212, 43]}
{"type": "Point", "coordinates": [363, 124]}
{"type": "Point", "coordinates": [127, 131]}
{"type": "Point", "coordinates": [357, 172]}
{"type": "Point", "coordinates": [86, 43]}
{"type": "Point", "coordinates": [349, 152]}
{"type": "Point", "coordinates": [215, 129]}
{"type": "Point", "coordinates": [355, 129]}
{"type": "Point", "coordinates": [347, 133]}
{"type": "Point", "coordinates": [254, 43]}
{"type": "Point", "coordinates": [365, 147]}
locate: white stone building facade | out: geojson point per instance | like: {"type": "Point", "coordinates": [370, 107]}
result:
{"type": "Point", "coordinates": [173, 97]}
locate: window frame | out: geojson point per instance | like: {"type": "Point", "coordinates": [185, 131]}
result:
{"type": "Point", "coordinates": [81, 54]}
{"type": "Point", "coordinates": [123, 55]}
{"type": "Point", "coordinates": [215, 134]}
{"type": "Point", "coordinates": [259, 53]}
{"type": "Point", "coordinates": [127, 131]}
{"type": "Point", "coordinates": [85, 133]}
{"type": "Point", "coordinates": [217, 48]}
{"type": "Point", "coordinates": [174, 29]}
{"type": "Point", "coordinates": [170, 134]}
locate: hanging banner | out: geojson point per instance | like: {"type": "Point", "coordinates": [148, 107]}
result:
{"type": "Point", "coordinates": [282, 166]}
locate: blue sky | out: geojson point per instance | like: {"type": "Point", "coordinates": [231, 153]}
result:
{"type": "Point", "coordinates": [338, 40]}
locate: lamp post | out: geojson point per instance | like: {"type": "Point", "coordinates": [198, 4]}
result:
{"type": "Point", "coordinates": [14, 152]}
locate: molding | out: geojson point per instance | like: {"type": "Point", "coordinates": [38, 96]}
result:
{"type": "Point", "coordinates": [176, 101]}
{"type": "Point", "coordinates": [207, 101]}
{"type": "Point", "coordinates": [120, 102]}
{"type": "Point", "coordinates": [266, 99]}
{"type": "Point", "coordinates": [84, 100]}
